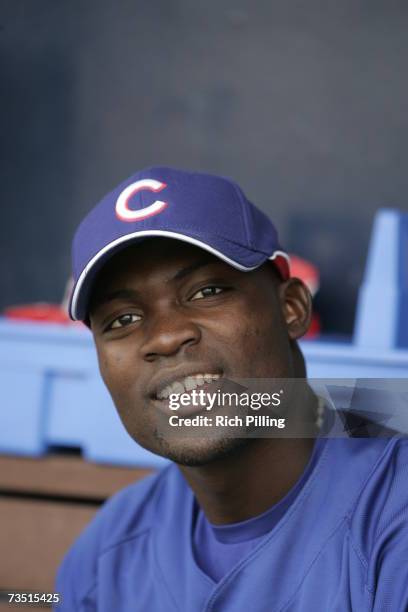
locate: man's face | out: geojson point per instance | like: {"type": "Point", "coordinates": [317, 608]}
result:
{"type": "Point", "coordinates": [163, 310]}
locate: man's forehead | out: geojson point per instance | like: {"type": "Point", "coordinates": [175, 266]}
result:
{"type": "Point", "coordinates": [141, 262]}
{"type": "Point", "coordinates": [158, 253]}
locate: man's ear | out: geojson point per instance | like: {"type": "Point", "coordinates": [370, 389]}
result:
{"type": "Point", "coordinates": [296, 305]}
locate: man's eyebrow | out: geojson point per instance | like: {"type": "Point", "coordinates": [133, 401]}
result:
{"type": "Point", "coordinates": [192, 268]}
{"type": "Point", "coordinates": [118, 294]}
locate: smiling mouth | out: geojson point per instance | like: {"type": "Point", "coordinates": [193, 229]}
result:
{"type": "Point", "coordinates": [187, 384]}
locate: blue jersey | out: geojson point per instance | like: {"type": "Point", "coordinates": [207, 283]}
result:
{"type": "Point", "coordinates": [342, 545]}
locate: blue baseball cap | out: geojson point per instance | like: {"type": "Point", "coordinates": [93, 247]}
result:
{"type": "Point", "coordinates": [210, 212]}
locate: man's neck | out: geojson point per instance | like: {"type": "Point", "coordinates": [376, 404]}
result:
{"type": "Point", "coordinates": [250, 480]}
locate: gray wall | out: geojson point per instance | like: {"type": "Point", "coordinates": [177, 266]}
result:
{"type": "Point", "coordinates": [304, 103]}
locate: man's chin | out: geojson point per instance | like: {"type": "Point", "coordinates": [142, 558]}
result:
{"type": "Point", "coordinates": [195, 452]}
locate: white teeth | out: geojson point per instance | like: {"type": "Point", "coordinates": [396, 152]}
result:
{"type": "Point", "coordinates": [187, 384]}
{"type": "Point", "coordinates": [190, 383]}
{"type": "Point", "coordinates": [164, 394]}
{"type": "Point", "coordinates": [177, 387]}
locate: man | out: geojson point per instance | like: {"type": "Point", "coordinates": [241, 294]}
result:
{"type": "Point", "coordinates": [186, 288]}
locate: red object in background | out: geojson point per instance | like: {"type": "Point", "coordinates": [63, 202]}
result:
{"type": "Point", "coordinates": [44, 312]}
{"type": "Point", "coordinates": [40, 312]}
{"type": "Point", "coordinates": [306, 271]}
{"type": "Point", "coordinates": [309, 274]}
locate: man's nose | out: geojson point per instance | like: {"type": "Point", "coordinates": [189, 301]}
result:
{"type": "Point", "coordinates": [169, 333]}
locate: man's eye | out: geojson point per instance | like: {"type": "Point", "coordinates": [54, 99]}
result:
{"type": "Point", "coordinates": [124, 320]}
{"type": "Point", "coordinates": [207, 292]}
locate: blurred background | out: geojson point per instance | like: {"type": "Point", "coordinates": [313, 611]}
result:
{"type": "Point", "coordinates": [304, 104]}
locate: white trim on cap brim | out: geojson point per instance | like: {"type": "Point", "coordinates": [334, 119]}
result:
{"type": "Point", "coordinates": [164, 233]}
